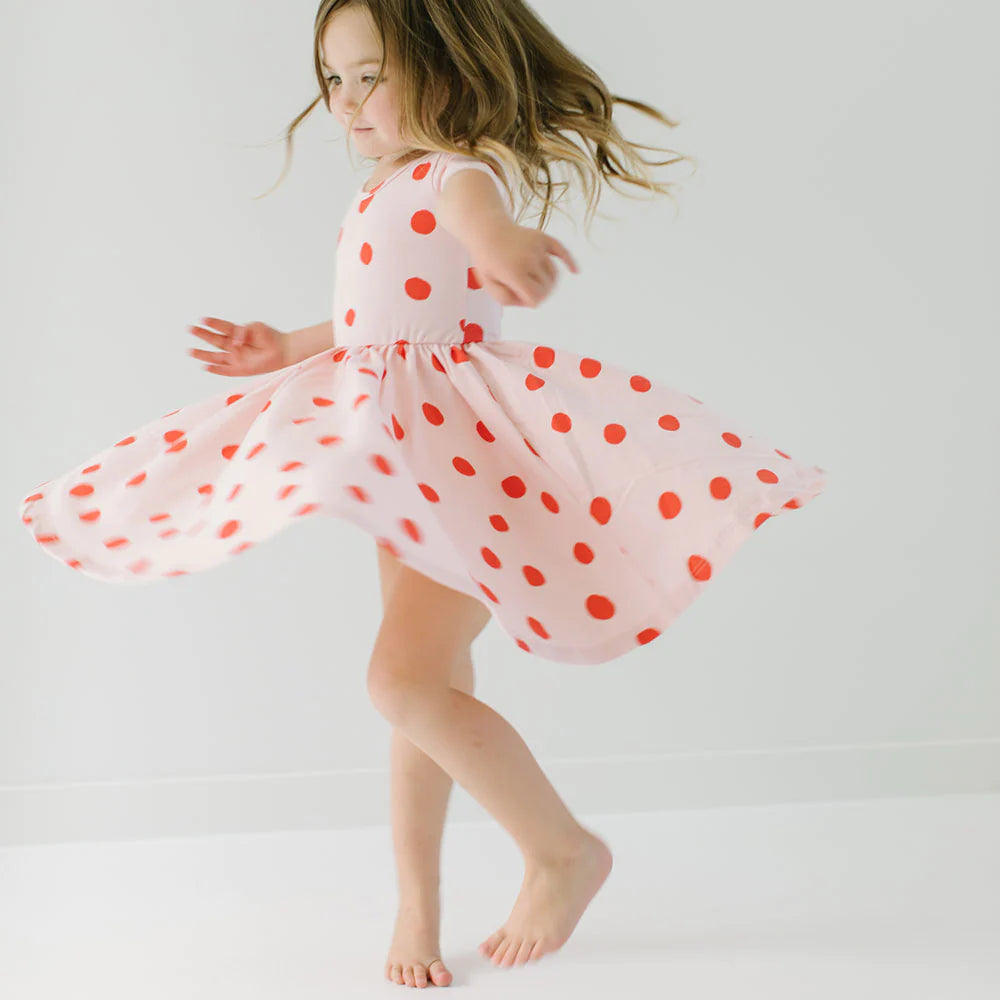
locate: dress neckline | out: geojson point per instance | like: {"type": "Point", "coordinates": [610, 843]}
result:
{"type": "Point", "coordinates": [382, 183]}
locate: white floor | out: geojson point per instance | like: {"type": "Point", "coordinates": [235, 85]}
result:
{"type": "Point", "coordinates": [895, 899]}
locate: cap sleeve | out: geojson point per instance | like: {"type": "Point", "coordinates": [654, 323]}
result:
{"type": "Point", "coordinates": [452, 163]}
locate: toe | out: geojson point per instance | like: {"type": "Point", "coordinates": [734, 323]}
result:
{"type": "Point", "coordinates": [505, 949]}
{"type": "Point", "coordinates": [489, 946]}
{"type": "Point", "coordinates": [523, 952]}
{"type": "Point", "coordinates": [420, 975]}
{"type": "Point", "coordinates": [438, 973]}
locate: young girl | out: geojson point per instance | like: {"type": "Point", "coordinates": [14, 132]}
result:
{"type": "Point", "coordinates": [581, 505]}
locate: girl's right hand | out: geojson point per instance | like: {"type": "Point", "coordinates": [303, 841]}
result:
{"type": "Point", "coordinates": [253, 349]}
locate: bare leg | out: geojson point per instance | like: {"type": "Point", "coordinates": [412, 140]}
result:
{"type": "Point", "coordinates": [419, 792]}
{"type": "Point", "coordinates": [409, 682]}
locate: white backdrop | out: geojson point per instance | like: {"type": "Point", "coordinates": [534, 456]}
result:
{"type": "Point", "coordinates": [831, 280]}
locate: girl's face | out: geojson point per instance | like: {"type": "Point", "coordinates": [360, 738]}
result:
{"type": "Point", "coordinates": [351, 56]}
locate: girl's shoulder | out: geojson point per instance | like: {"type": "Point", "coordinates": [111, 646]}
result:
{"type": "Point", "coordinates": [446, 165]}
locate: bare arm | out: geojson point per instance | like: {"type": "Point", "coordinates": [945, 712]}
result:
{"type": "Point", "coordinates": [308, 341]}
{"type": "Point", "coordinates": [471, 209]}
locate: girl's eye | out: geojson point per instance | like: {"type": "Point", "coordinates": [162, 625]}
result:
{"type": "Point", "coordinates": [330, 79]}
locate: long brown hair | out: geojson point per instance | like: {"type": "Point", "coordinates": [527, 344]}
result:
{"type": "Point", "coordinates": [488, 78]}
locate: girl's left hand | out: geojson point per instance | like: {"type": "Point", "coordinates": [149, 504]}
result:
{"type": "Point", "coordinates": [515, 266]}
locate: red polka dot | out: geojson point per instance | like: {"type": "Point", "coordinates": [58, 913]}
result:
{"type": "Point", "coordinates": [600, 510]}
{"type": "Point", "coordinates": [229, 528]}
{"type": "Point", "coordinates": [389, 546]}
{"type": "Point", "coordinates": [83, 490]}
{"type": "Point", "coordinates": [484, 432]}
{"type": "Point", "coordinates": [382, 464]}
{"type": "Point", "coordinates": [499, 522]}
{"type": "Point", "coordinates": [583, 552]}
{"type": "Point", "coordinates": [732, 439]}
{"type": "Point", "coordinates": [412, 529]}
{"type": "Point", "coordinates": [359, 493]}
{"type": "Point", "coordinates": [432, 414]}
{"type": "Point", "coordinates": [423, 222]}
{"type": "Point", "coordinates": [463, 465]}
{"type": "Point", "coordinates": [419, 172]}
{"type": "Point", "coordinates": [669, 422]}
{"type": "Point", "coordinates": [533, 382]}
{"type": "Point", "coordinates": [614, 433]}
{"type": "Point", "coordinates": [533, 575]}
{"type": "Point", "coordinates": [669, 504]}
{"type": "Point", "coordinates": [543, 356]}
{"type": "Point", "coordinates": [366, 253]}
{"type": "Point", "coordinates": [647, 635]}
{"type": "Point", "coordinates": [561, 422]}
{"type": "Point", "coordinates": [590, 367]}
{"type": "Point", "coordinates": [699, 567]}
{"type": "Point", "coordinates": [600, 607]}
{"type": "Point", "coordinates": [640, 383]}
{"type": "Point", "coordinates": [349, 317]}
{"type": "Point", "coordinates": [537, 627]}
{"type": "Point", "coordinates": [514, 486]}
{"type": "Point", "coordinates": [550, 502]}
{"type": "Point", "coordinates": [766, 476]}
{"type": "Point", "coordinates": [417, 288]}
{"type": "Point", "coordinates": [429, 492]}
{"type": "Point", "coordinates": [490, 557]}
{"type": "Point", "coordinates": [760, 519]}
{"type": "Point", "coordinates": [720, 487]}
{"type": "Point", "coordinates": [472, 278]}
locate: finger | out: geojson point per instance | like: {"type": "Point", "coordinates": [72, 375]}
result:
{"type": "Point", "coordinates": [558, 250]}
{"type": "Point", "coordinates": [502, 293]}
{"type": "Point", "coordinates": [213, 356]}
{"type": "Point", "coordinates": [527, 296]}
{"type": "Point", "coordinates": [215, 339]}
{"type": "Point", "coordinates": [222, 325]}
{"type": "Point", "coordinates": [543, 283]}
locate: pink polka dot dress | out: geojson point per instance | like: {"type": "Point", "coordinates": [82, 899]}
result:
{"type": "Point", "coordinates": [584, 504]}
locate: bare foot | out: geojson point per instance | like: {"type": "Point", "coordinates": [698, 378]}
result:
{"type": "Point", "coordinates": [415, 953]}
{"type": "Point", "coordinates": [553, 897]}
